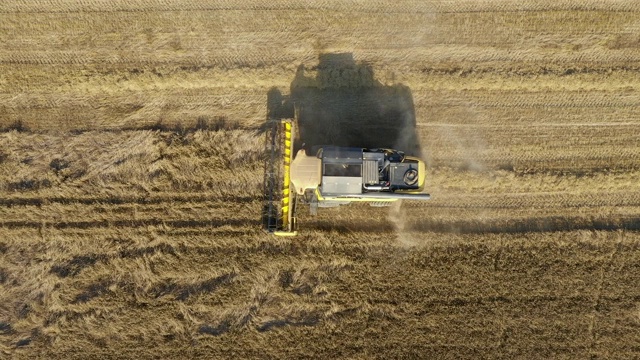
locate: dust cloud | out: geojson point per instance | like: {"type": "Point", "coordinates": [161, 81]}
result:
{"type": "Point", "coordinates": [396, 217]}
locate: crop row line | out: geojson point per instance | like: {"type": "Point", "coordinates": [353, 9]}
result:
{"type": "Point", "coordinates": [329, 5]}
{"type": "Point", "coordinates": [485, 226]}
{"type": "Point", "coordinates": [120, 200]}
{"type": "Point", "coordinates": [131, 223]}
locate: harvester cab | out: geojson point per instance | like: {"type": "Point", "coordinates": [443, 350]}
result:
{"type": "Point", "coordinates": [330, 176]}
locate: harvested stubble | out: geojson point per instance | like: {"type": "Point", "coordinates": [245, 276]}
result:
{"type": "Point", "coordinates": [130, 183]}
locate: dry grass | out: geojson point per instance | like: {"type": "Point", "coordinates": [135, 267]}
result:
{"type": "Point", "coordinates": [131, 169]}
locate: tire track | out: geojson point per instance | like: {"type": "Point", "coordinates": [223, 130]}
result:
{"type": "Point", "coordinates": [480, 99]}
{"type": "Point", "coordinates": [551, 200]}
{"type": "Point", "coordinates": [518, 127]}
{"type": "Point", "coordinates": [537, 224]}
{"type": "Point", "coordinates": [258, 59]}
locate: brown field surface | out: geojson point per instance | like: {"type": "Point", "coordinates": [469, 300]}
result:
{"type": "Point", "coordinates": [131, 180]}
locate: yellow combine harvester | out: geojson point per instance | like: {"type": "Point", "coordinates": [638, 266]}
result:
{"type": "Point", "coordinates": [330, 176]}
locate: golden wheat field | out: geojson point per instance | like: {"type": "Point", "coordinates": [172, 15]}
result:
{"type": "Point", "coordinates": [131, 165]}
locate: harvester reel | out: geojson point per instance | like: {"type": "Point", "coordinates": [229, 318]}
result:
{"type": "Point", "coordinates": [280, 200]}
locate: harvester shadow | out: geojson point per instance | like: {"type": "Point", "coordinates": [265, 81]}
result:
{"type": "Point", "coordinates": [339, 102]}
{"type": "Point", "coordinates": [344, 105]}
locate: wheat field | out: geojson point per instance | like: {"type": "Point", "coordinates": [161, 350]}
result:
{"type": "Point", "coordinates": [131, 164]}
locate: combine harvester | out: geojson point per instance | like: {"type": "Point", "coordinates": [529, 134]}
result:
{"type": "Point", "coordinates": [330, 176]}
